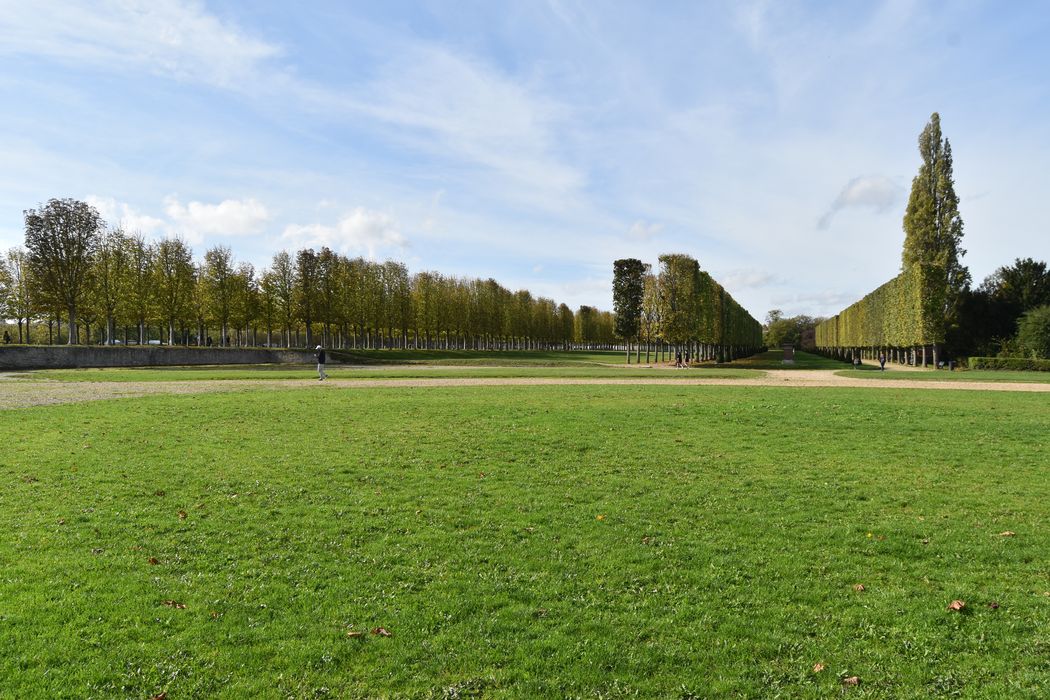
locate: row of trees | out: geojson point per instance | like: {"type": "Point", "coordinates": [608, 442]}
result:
{"type": "Point", "coordinates": [75, 267]}
{"type": "Point", "coordinates": [916, 310]}
{"type": "Point", "coordinates": [680, 305]}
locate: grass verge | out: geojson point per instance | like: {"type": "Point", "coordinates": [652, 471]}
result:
{"type": "Point", "coordinates": [944, 376]}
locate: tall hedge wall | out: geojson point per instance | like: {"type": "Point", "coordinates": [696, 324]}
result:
{"type": "Point", "coordinates": [901, 313]}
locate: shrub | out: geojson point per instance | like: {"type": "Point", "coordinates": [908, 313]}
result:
{"type": "Point", "coordinates": [1013, 363]}
{"type": "Point", "coordinates": [1033, 332]}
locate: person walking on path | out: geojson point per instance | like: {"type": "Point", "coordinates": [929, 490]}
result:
{"type": "Point", "coordinates": [882, 361]}
{"type": "Point", "coordinates": [321, 374]}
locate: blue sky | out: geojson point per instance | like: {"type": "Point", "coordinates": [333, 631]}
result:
{"type": "Point", "coordinates": [536, 142]}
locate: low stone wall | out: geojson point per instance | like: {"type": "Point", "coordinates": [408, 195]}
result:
{"type": "Point", "coordinates": [65, 357]}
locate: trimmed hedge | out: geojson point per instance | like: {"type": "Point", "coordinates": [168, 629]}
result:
{"type": "Point", "coordinates": [901, 313]}
{"type": "Point", "coordinates": [1013, 363]}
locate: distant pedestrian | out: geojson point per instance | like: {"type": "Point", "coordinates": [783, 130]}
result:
{"type": "Point", "coordinates": [687, 360]}
{"type": "Point", "coordinates": [7, 338]}
{"type": "Point", "coordinates": [321, 374]}
{"type": "Point", "coordinates": [678, 358]}
{"type": "Point", "coordinates": [882, 361]}
{"type": "Point", "coordinates": [856, 362]}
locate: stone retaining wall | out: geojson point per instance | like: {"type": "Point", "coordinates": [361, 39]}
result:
{"type": "Point", "coordinates": [65, 357]}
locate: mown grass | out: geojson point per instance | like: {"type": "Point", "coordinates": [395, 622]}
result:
{"type": "Point", "coordinates": [284, 372]}
{"type": "Point", "coordinates": [503, 358]}
{"type": "Point", "coordinates": [945, 376]}
{"type": "Point", "coordinates": [527, 542]}
{"type": "Point", "coordinates": [774, 359]}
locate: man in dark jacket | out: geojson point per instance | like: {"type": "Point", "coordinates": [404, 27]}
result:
{"type": "Point", "coordinates": [321, 374]}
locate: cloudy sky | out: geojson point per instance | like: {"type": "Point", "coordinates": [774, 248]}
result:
{"type": "Point", "coordinates": [536, 142]}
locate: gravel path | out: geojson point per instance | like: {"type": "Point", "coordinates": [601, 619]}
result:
{"type": "Point", "coordinates": [19, 392]}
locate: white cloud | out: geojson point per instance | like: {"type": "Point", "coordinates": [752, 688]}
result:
{"type": "Point", "coordinates": [360, 231]}
{"type": "Point", "coordinates": [454, 107]}
{"type": "Point", "coordinates": [124, 215]}
{"type": "Point", "coordinates": [876, 192]}
{"type": "Point", "coordinates": [747, 279]}
{"type": "Point", "coordinates": [231, 217]}
{"type": "Point", "coordinates": [644, 231]}
{"type": "Point", "coordinates": [167, 37]}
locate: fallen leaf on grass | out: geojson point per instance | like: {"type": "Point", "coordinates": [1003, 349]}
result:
{"type": "Point", "coordinates": [61, 521]}
{"type": "Point", "coordinates": [215, 614]}
{"type": "Point", "coordinates": [993, 605]}
{"type": "Point", "coordinates": [852, 680]}
{"type": "Point", "coordinates": [818, 667]}
{"type": "Point", "coordinates": [160, 696]}
{"type": "Point", "coordinates": [382, 632]}
{"type": "Point", "coordinates": [174, 604]}
{"type": "Point", "coordinates": [1007, 533]}
{"type": "Point", "coordinates": [599, 517]}
{"type": "Point", "coordinates": [182, 515]}
{"type": "Point", "coordinates": [859, 587]}
{"type": "Point", "coordinates": [153, 560]}
{"type": "Point", "coordinates": [354, 633]}
{"type": "Point", "coordinates": [158, 492]}
{"type": "Point", "coordinates": [956, 605]}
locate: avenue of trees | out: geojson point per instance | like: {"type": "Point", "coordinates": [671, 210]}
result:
{"type": "Point", "coordinates": [930, 308]}
{"type": "Point", "coordinates": [680, 307]}
{"type": "Point", "coordinates": [105, 285]}
{"type": "Point", "coordinates": [909, 317]}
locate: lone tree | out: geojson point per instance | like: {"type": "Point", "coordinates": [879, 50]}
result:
{"type": "Point", "coordinates": [933, 229]}
{"type": "Point", "coordinates": [61, 238]}
{"type": "Point", "coordinates": [628, 291]}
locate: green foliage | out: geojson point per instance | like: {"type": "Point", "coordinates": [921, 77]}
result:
{"type": "Point", "coordinates": [1024, 285]}
{"type": "Point", "coordinates": [61, 237]}
{"type": "Point", "coordinates": [933, 229]}
{"type": "Point", "coordinates": [694, 307]}
{"type": "Point", "coordinates": [920, 305]}
{"type": "Point", "coordinates": [628, 290]}
{"type": "Point", "coordinates": [900, 313]}
{"type": "Point", "coordinates": [724, 566]}
{"type": "Point", "coordinates": [1027, 364]}
{"type": "Point", "coordinates": [780, 330]}
{"type": "Point", "coordinates": [1033, 333]}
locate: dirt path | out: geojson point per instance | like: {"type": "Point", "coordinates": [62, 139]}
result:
{"type": "Point", "coordinates": [22, 392]}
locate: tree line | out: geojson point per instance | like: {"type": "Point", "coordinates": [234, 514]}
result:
{"type": "Point", "coordinates": [110, 286]}
{"type": "Point", "coordinates": [680, 306]}
{"type": "Point", "coordinates": [912, 313]}
{"type": "Point", "coordinates": [930, 309]}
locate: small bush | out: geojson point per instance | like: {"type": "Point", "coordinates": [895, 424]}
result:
{"type": "Point", "coordinates": [1012, 363]}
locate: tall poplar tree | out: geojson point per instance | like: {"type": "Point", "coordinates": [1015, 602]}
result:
{"type": "Point", "coordinates": [933, 228]}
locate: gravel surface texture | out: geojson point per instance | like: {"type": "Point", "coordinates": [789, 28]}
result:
{"type": "Point", "coordinates": [18, 392]}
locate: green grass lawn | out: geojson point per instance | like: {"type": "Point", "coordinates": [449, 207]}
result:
{"type": "Point", "coordinates": [554, 542]}
{"type": "Point", "coordinates": [981, 375]}
{"type": "Point", "coordinates": [271, 372]}
{"type": "Point", "coordinates": [503, 358]}
{"type": "Point", "coordinates": [774, 359]}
